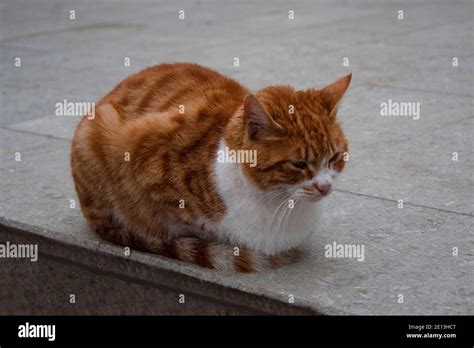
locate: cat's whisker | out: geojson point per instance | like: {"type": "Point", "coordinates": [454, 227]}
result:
{"type": "Point", "coordinates": [268, 195]}
{"type": "Point", "coordinates": [271, 195]}
{"type": "Point", "coordinates": [284, 212]}
{"type": "Point", "coordinates": [300, 208]}
{"type": "Point", "coordinates": [287, 219]}
{"type": "Point", "coordinates": [280, 196]}
{"type": "Point", "coordinates": [277, 196]}
{"type": "Point", "coordinates": [275, 213]}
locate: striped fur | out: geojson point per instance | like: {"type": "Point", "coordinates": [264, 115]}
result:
{"type": "Point", "coordinates": [152, 148]}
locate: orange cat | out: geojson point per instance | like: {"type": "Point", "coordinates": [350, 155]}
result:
{"type": "Point", "coordinates": [160, 166]}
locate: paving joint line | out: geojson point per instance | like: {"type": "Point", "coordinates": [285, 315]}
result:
{"type": "Point", "coordinates": [412, 89]}
{"type": "Point", "coordinates": [33, 133]}
{"type": "Point", "coordinates": [405, 203]}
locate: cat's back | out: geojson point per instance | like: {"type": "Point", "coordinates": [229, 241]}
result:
{"type": "Point", "coordinates": [178, 86]}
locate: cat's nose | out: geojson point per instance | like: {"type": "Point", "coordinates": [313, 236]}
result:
{"type": "Point", "coordinates": [324, 189]}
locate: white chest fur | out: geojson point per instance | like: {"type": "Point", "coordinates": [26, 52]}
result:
{"type": "Point", "coordinates": [254, 221]}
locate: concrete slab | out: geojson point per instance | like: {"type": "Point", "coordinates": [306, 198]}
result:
{"type": "Point", "coordinates": [51, 195]}
{"type": "Point", "coordinates": [415, 70]}
{"type": "Point", "coordinates": [368, 130]}
{"type": "Point", "coordinates": [420, 170]}
{"type": "Point", "coordinates": [410, 247]}
{"type": "Point", "coordinates": [28, 147]}
{"type": "Point", "coordinates": [203, 16]}
{"type": "Point", "coordinates": [454, 36]}
{"type": "Point", "coordinates": [380, 24]}
{"type": "Point", "coordinates": [57, 126]}
{"type": "Point", "coordinates": [27, 287]}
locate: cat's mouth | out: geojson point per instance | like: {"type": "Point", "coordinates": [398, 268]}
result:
{"type": "Point", "coordinates": [313, 196]}
{"type": "Point", "coordinates": [310, 195]}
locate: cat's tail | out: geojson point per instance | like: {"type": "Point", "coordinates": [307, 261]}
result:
{"type": "Point", "coordinates": [203, 253]}
{"type": "Point", "coordinates": [219, 256]}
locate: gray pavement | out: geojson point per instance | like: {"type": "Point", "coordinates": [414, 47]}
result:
{"type": "Point", "coordinates": [408, 251]}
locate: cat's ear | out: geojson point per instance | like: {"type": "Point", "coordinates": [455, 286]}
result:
{"type": "Point", "coordinates": [332, 93]}
{"type": "Point", "coordinates": [258, 123]}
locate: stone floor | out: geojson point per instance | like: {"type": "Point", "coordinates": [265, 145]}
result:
{"type": "Point", "coordinates": [423, 252]}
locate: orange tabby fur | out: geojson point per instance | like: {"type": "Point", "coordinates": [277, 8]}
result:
{"type": "Point", "coordinates": [140, 158]}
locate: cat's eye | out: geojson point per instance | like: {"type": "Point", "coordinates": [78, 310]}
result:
{"type": "Point", "coordinates": [299, 164]}
{"type": "Point", "coordinates": [334, 158]}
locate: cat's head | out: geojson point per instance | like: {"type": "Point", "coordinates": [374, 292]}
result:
{"type": "Point", "coordinates": [299, 143]}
